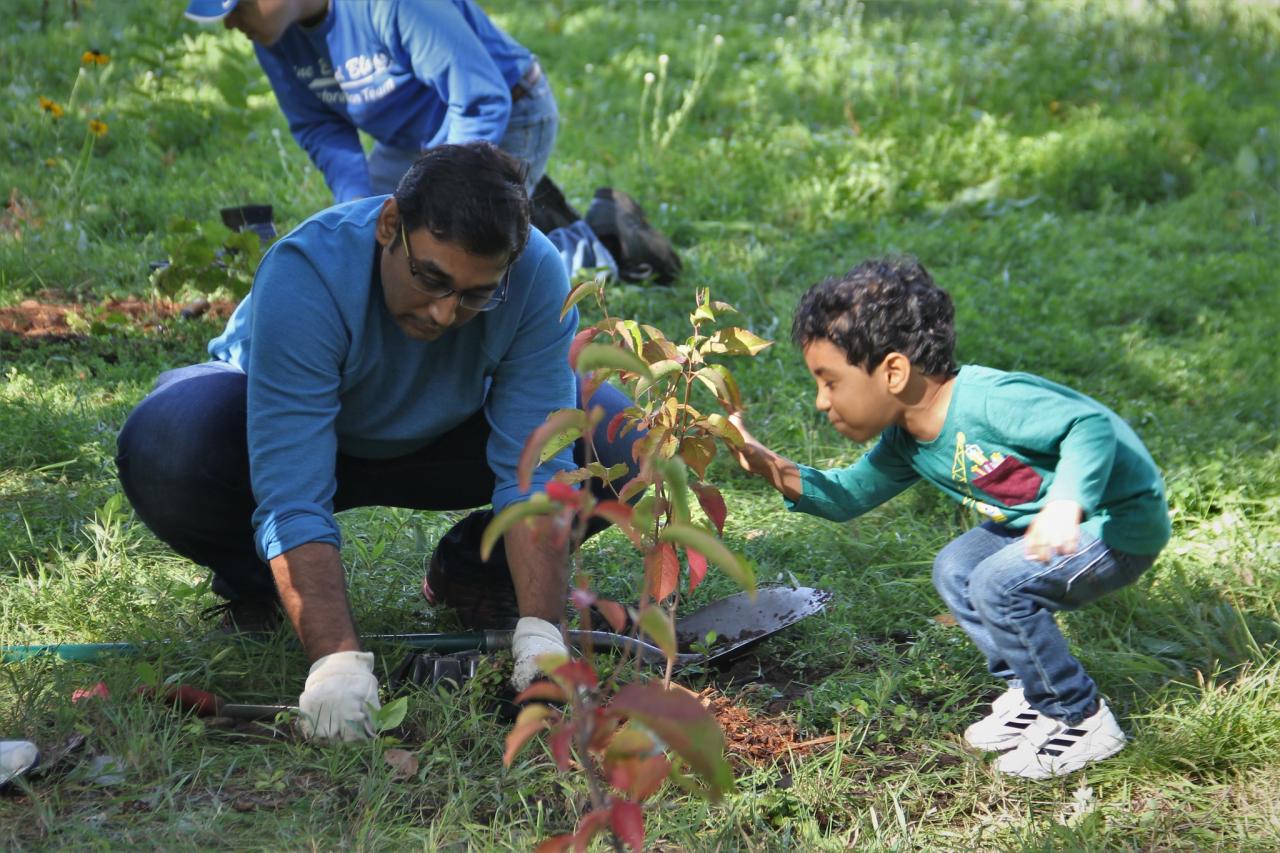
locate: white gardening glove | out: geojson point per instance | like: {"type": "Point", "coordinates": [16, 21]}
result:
{"type": "Point", "coordinates": [340, 690]}
{"type": "Point", "coordinates": [533, 637]}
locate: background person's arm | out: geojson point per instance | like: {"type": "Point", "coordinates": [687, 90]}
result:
{"type": "Point", "coordinates": [329, 139]}
{"type": "Point", "coordinates": [448, 56]}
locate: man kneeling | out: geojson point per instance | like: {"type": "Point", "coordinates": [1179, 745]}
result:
{"type": "Point", "coordinates": [394, 351]}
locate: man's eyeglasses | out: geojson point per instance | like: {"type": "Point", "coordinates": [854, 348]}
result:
{"type": "Point", "coordinates": [473, 300]}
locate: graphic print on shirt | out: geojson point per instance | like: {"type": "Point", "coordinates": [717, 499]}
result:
{"type": "Point", "coordinates": [1006, 478]}
{"type": "Point", "coordinates": [359, 80]}
{"type": "Point", "coordinates": [960, 475]}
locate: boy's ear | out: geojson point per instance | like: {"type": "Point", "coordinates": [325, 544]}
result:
{"type": "Point", "coordinates": [897, 372]}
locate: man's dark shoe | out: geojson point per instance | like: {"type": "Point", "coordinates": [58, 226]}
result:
{"type": "Point", "coordinates": [550, 210]}
{"type": "Point", "coordinates": [640, 250]}
{"type": "Point", "coordinates": [482, 600]}
{"type": "Point", "coordinates": [251, 617]}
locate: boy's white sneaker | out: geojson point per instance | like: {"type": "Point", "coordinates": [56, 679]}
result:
{"type": "Point", "coordinates": [1002, 729]}
{"type": "Point", "coordinates": [1050, 747]}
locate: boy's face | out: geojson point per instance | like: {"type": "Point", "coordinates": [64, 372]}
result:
{"type": "Point", "coordinates": [858, 404]}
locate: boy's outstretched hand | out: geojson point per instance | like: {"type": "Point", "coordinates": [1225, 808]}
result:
{"type": "Point", "coordinates": [754, 457]}
{"type": "Point", "coordinates": [1055, 531]}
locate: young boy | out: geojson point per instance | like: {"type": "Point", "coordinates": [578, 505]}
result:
{"type": "Point", "coordinates": [1075, 506]}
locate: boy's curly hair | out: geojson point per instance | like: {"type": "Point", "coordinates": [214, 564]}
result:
{"type": "Point", "coordinates": [883, 305]}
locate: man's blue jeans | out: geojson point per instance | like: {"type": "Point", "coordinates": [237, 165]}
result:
{"type": "Point", "coordinates": [1005, 603]}
{"type": "Point", "coordinates": [183, 461]}
{"type": "Point", "coordinates": [530, 137]}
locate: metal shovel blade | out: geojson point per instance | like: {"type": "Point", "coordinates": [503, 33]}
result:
{"type": "Point", "coordinates": [740, 623]}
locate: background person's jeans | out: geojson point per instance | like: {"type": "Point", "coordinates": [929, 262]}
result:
{"type": "Point", "coordinates": [530, 136]}
{"type": "Point", "coordinates": [183, 461]}
{"type": "Point", "coordinates": [1005, 603]}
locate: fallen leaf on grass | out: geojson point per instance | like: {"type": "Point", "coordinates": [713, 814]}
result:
{"type": "Point", "coordinates": [403, 763]}
{"type": "Point", "coordinates": [946, 619]}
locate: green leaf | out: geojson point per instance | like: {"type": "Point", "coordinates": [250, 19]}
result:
{"type": "Point", "coordinates": [561, 427]}
{"type": "Point", "coordinates": [736, 567]}
{"type": "Point", "coordinates": [390, 715]}
{"type": "Point", "coordinates": [660, 370]}
{"type": "Point", "coordinates": [676, 476]}
{"type": "Point", "coordinates": [697, 452]}
{"type": "Point", "coordinates": [735, 342]}
{"type": "Point", "coordinates": [605, 357]}
{"type": "Point", "coordinates": [682, 722]}
{"type": "Point", "coordinates": [587, 288]}
{"type": "Point", "coordinates": [719, 426]}
{"type": "Point", "coordinates": [537, 505]}
{"type": "Point", "coordinates": [656, 623]}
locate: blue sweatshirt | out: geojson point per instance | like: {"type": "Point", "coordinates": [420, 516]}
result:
{"type": "Point", "coordinates": [410, 73]}
{"type": "Point", "coordinates": [1011, 443]}
{"type": "Point", "coordinates": [329, 371]}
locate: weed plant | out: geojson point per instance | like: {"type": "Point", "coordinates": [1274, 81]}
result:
{"type": "Point", "coordinates": [1095, 181]}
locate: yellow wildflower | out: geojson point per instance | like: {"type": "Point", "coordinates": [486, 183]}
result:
{"type": "Point", "coordinates": [97, 128]}
{"type": "Point", "coordinates": [51, 162]}
{"type": "Point", "coordinates": [51, 107]}
{"type": "Point", "coordinates": [94, 57]}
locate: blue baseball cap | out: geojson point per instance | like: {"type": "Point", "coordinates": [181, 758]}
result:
{"type": "Point", "coordinates": [209, 11]}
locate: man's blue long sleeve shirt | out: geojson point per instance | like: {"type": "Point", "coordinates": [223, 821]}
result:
{"type": "Point", "coordinates": [329, 371]}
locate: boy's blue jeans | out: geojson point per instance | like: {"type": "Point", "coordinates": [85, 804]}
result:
{"type": "Point", "coordinates": [1005, 603]}
{"type": "Point", "coordinates": [183, 461]}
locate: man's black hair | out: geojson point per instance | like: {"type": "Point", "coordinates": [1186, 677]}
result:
{"type": "Point", "coordinates": [472, 195]}
{"type": "Point", "coordinates": [883, 305]}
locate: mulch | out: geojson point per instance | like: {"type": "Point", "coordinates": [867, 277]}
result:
{"type": "Point", "coordinates": [757, 739]}
{"type": "Point", "coordinates": [36, 320]}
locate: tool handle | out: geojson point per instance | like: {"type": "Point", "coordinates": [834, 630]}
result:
{"type": "Point", "coordinates": [88, 652]}
{"type": "Point", "coordinates": [469, 641]}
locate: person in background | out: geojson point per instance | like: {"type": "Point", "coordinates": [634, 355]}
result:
{"type": "Point", "coordinates": [414, 74]}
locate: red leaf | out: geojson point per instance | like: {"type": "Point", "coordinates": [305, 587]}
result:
{"type": "Point", "coordinates": [590, 826]}
{"type": "Point", "coordinates": [615, 424]}
{"type": "Point", "coordinates": [580, 340]}
{"type": "Point", "coordinates": [697, 568]}
{"type": "Point", "coordinates": [684, 724]}
{"type": "Point", "coordinates": [562, 492]}
{"type": "Point", "coordinates": [712, 503]}
{"type": "Point", "coordinates": [97, 691]}
{"type": "Point", "coordinates": [627, 821]}
{"type": "Point", "coordinates": [604, 724]}
{"type": "Point", "coordinates": [614, 612]}
{"type": "Point", "coordinates": [638, 777]}
{"type": "Point", "coordinates": [661, 571]}
{"type": "Point", "coordinates": [561, 739]}
{"type": "Point", "coordinates": [542, 690]}
{"type": "Point", "coordinates": [619, 514]}
{"type": "Point", "coordinates": [558, 844]}
{"type": "Point", "coordinates": [532, 719]}
{"type": "Point", "coordinates": [576, 673]}
{"type": "Point", "coordinates": [653, 771]}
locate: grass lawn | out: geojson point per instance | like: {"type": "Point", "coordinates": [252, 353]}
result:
{"type": "Point", "coordinates": [1096, 182]}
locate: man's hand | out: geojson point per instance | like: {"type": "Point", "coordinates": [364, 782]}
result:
{"type": "Point", "coordinates": [754, 457]}
{"type": "Point", "coordinates": [533, 637]}
{"type": "Point", "coordinates": [1055, 531]}
{"type": "Point", "coordinates": [340, 692]}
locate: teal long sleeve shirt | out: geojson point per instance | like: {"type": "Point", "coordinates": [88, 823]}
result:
{"type": "Point", "coordinates": [1011, 443]}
